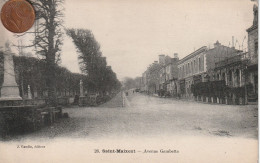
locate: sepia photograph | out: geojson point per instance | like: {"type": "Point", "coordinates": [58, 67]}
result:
{"type": "Point", "coordinates": [129, 81]}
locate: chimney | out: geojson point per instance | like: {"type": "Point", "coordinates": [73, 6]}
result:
{"type": "Point", "coordinates": [162, 59]}
{"type": "Point", "coordinates": [216, 44]}
{"type": "Point", "coordinates": [175, 55]}
{"type": "Point", "coordinates": [255, 9]}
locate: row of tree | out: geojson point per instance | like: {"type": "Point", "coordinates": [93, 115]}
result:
{"type": "Point", "coordinates": [48, 39]}
{"type": "Point", "coordinates": [31, 71]}
{"type": "Point", "coordinates": [130, 83]}
{"type": "Point", "coordinates": [92, 63]}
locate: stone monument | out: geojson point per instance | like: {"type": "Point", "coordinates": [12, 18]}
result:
{"type": "Point", "coordinates": [29, 93]}
{"type": "Point", "coordinates": [81, 89]}
{"type": "Point", "coordinates": [82, 98]}
{"type": "Point", "coordinates": [9, 90]}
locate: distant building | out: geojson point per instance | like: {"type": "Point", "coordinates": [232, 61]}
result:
{"type": "Point", "coordinates": [153, 77]}
{"type": "Point", "coordinates": [161, 76]}
{"type": "Point", "coordinates": [171, 70]}
{"type": "Point", "coordinates": [162, 72]}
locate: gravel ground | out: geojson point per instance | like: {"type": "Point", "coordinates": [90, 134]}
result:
{"type": "Point", "coordinates": [201, 133]}
{"type": "Point", "coordinates": [153, 116]}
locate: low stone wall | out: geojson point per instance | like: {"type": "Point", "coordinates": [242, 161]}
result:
{"type": "Point", "coordinates": [63, 101]}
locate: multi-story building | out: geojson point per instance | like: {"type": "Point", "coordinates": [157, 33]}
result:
{"type": "Point", "coordinates": [161, 76]}
{"type": "Point", "coordinates": [189, 68]}
{"type": "Point", "coordinates": [199, 66]}
{"type": "Point", "coordinates": [153, 80]}
{"type": "Point", "coordinates": [163, 60]}
{"type": "Point", "coordinates": [232, 71]}
{"type": "Point", "coordinates": [252, 75]}
{"type": "Point", "coordinates": [171, 70]}
{"type": "Point", "coordinates": [168, 74]}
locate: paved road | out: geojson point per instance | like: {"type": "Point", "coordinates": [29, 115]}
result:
{"type": "Point", "coordinates": [152, 116]}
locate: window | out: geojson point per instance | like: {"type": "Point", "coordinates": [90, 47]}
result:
{"type": "Point", "coordinates": [199, 65]}
{"type": "Point", "coordinates": [188, 68]}
{"type": "Point", "coordinates": [238, 77]}
{"type": "Point", "coordinates": [191, 67]}
{"type": "Point", "coordinates": [218, 77]}
{"type": "Point", "coordinates": [183, 71]}
{"type": "Point", "coordinates": [224, 77]}
{"type": "Point", "coordinates": [194, 67]}
{"type": "Point", "coordinates": [230, 78]}
{"type": "Point", "coordinates": [202, 63]}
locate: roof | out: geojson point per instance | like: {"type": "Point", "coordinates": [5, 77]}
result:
{"type": "Point", "coordinates": [200, 50]}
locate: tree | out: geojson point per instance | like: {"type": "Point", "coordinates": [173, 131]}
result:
{"type": "Point", "coordinates": [31, 69]}
{"type": "Point", "coordinates": [48, 39]}
{"type": "Point", "coordinates": [129, 83]}
{"type": "Point", "coordinates": [88, 49]}
{"type": "Point", "coordinates": [101, 77]}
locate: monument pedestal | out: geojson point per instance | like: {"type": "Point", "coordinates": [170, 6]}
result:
{"type": "Point", "coordinates": [10, 93]}
{"type": "Point", "coordinates": [83, 101]}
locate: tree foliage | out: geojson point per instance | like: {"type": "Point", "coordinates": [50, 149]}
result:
{"type": "Point", "coordinates": [31, 71]}
{"type": "Point", "coordinates": [102, 78]}
{"type": "Point", "coordinates": [48, 38]}
{"type": "Point", "coordinates": [130, 83]}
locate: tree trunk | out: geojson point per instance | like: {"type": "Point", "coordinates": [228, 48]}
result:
{"type": "Point", "coordinates": [51, 79]}
{"type": "Point", "coordinates": [50, 66]}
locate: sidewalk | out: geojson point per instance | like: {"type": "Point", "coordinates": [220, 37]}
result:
{"type": "Point", "coordinates": [125, 100]}
{"type": "Point", "coordinates": [192, 100]}
{"type": "Point", "coordinates": [115, 102]}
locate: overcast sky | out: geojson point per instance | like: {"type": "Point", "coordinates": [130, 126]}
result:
{"type": "Point", "coordinates": [132, 33]}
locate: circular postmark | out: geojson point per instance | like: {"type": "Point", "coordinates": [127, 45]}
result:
{"type": "Point", "coordinates": [17, 16]}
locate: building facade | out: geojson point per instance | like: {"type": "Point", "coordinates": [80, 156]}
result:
{"type": "Point", "coordinates": [252, 69]}
{"type": "Point", "coordinates": [171, 71]}
{"type": "Point", "coordinates": [191, 69]}
{"type": "Point", "coordinates": [199, 66]}
{"type": "Point", "coordinates": [160, 77]}
{"type": "Point", "coordinates": [232, 71]}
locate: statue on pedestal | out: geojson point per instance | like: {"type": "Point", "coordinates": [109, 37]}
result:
{"type": "Point", "coordinates": [29, 92]}
{"type": "Point", "coordinates": [81, 89]}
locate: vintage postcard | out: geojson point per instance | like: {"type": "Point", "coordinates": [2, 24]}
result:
{"type": "Point", "coordinates": [129, 81]}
